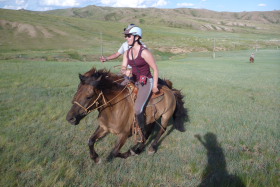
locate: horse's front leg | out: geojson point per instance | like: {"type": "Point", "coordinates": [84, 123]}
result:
{"type": "Point", "coordinates": [116, 151]}
{"type": "Point", "coordinates": [99, 133]}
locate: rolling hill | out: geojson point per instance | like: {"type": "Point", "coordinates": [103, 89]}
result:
{"type": "Point", "coordinates": [168, 32]}
{"type": "Point", "coordinates": [200, 19]}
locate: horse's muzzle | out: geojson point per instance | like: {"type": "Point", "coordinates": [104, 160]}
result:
{"type": "Point", "coordinates": [74, 120]}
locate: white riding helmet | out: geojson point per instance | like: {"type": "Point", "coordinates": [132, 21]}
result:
{"type": "Point", "coordinates": [129, 26]}
{"type": "Point", "coordinates": [135, 31]}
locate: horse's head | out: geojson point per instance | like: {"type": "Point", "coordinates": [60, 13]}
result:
{"type": "Point", "coordinates": [86, 96]}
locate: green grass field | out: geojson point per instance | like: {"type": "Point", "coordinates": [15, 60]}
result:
{"type": "Point", "coordinates": [234, 106]}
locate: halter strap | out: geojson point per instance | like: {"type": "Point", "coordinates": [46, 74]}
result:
{"type": "Point", "coordinates": [87, 110]}
{"type": "Point", "coordinates": [95, 102]}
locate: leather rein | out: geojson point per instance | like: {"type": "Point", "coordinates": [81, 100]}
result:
{"type": "Point", "coordinates": [95, 102]}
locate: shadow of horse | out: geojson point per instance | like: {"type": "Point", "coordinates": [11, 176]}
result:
{"type": "Point", "coordinates": [215, 174]}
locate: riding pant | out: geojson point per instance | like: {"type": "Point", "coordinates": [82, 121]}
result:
{"type": "Point", "coordinates": [144, 93]}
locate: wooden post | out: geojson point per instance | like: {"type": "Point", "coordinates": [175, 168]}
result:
{"type": "Point", "coordinates": [214, 46]}
{"type": "Point", "coordinates": [101, 43]}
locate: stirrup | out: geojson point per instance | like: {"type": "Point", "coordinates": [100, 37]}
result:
{"type": "Point", "coordinates": [139, 136]}
{"type": "Point", "coordinates": [138, 133]}
{"type": "Point", "coordinates": [142, 137]}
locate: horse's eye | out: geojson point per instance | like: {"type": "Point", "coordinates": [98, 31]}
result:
{"type": "Point", "coordinates": [89, 97]}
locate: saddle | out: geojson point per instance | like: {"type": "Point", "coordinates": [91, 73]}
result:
{"type": "Point", "coordinates": [154, 99]}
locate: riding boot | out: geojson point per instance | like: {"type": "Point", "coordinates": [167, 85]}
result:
{"type": "Point", "coordinates": [141, 120]}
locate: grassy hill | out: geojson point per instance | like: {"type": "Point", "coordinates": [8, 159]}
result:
{"type": "Point", "coordinates": [200, 19]}
{"type": "Point", "coordinates": [76, 33]}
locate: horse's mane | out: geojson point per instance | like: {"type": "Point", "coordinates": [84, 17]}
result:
{"type": "Point", "coordinates": [109, 81]}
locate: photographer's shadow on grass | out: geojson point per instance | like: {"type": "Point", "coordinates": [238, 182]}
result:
{"type": "Point", "coordinates": [215, 173]}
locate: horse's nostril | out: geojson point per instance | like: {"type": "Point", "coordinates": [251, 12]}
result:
{"type": "Point", "coordinates": [71, 120]}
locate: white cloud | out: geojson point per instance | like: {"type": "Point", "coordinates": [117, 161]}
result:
{"type": "Point", "coordinates": [185, 4]}
{"type": "Point", "coordinates": [20, 2]}
{"type": "Point", "coordinates": [10, 7]}
{"type": "Point", "coordinates": [41, 5]}
{"type": "Point", "coordinates": [121, 3]}
{"type": "Point", "coordinates": [134, 3]}
{"type": "Point", "coordinates": [159, 3]}
{"type": "Point", "coordinates": [60, 3]}
{"type": "Point", "coordinates": [262, 5]}
{"type": "Point", "coordinates": [16, 5]}
{"type": "Point", "coordinates": [44, 8]}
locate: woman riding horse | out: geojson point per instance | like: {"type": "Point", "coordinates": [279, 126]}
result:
{"type": "Point", "coordinates": [98, 90]}
{"type": "Point", "coordinates": [141, 60]}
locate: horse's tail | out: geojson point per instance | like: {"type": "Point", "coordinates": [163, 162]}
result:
{"type": "Point", "coordinates": [180, 114]}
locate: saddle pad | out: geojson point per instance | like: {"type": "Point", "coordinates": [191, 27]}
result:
{"type": "Point", "coordinates": [155, 95]}
{"type": "Point", "coordinates": [155, 100]}
{"type": "Point", "coordinates": [133, 89]}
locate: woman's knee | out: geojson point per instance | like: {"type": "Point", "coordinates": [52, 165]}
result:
{"type": "Point", "coordinates": [125, 82]}
{"type": "Point", "coordinates": [138, 110]}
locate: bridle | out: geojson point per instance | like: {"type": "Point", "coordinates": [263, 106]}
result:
{"type": "Point", "coordinates": [87, 109]}
{"type": "Point", "coordinates": [95, 102]}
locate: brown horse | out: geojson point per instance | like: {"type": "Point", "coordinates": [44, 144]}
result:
{"type": "Point", "coordinates": [100, 90]}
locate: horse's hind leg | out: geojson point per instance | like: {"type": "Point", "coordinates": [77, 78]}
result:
{"type": "Point", "coordinates": [154, 145]}
{"type": "Point", "coordinates": [99, 133]}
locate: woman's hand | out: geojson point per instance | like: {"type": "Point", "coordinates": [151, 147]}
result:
{"type": "Point", "coordinates": [103, 59]}
{"type": "Point", "coordinates": [155, 89]}
{"type": "Point", "coordinates": [125, 71]}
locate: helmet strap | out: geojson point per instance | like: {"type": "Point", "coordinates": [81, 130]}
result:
{"type": "Point", "coordinates": [134, 40]}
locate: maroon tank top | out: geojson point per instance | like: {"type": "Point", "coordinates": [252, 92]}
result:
{"type": "Point", "coordinates": [139, 65]}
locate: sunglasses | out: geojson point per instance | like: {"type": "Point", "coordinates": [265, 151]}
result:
{"type": "Point", "coordinates": [127, 35]}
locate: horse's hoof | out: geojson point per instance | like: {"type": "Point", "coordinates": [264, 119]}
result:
{"type": "Point", "coordinates": [98, 160]}
{"type": "Point", "coordinates": [151, 151]}
{"type": "Point", "coordinates": [132, 153]}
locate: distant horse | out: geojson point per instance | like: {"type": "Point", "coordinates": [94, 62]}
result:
{"type": "Point", "coordinates": [252, 60]}
{"type": "Point", "coordinates": [99, 89]}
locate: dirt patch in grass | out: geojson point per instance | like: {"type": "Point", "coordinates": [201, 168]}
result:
{"type": "Point", "coordinates": [180, 50]}
{"type": "Point", "coordinates": [31, 30]}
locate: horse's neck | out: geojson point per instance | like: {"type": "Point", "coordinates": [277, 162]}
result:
{"type": "Point", "coordinates": [118, 110]}
{"type": "Point", "coordinates": [117, 99]}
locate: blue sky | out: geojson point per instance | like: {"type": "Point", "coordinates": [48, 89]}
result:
{"type": "Point", "coordinates": [216, 5]}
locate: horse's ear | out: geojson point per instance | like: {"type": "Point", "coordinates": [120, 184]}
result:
{"type": "Point", "coordinates": [82, 78]}
{"type": "Point", "coordinates": [99, 78]}
{"type": "Point", "coordinates": [96, 81]}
